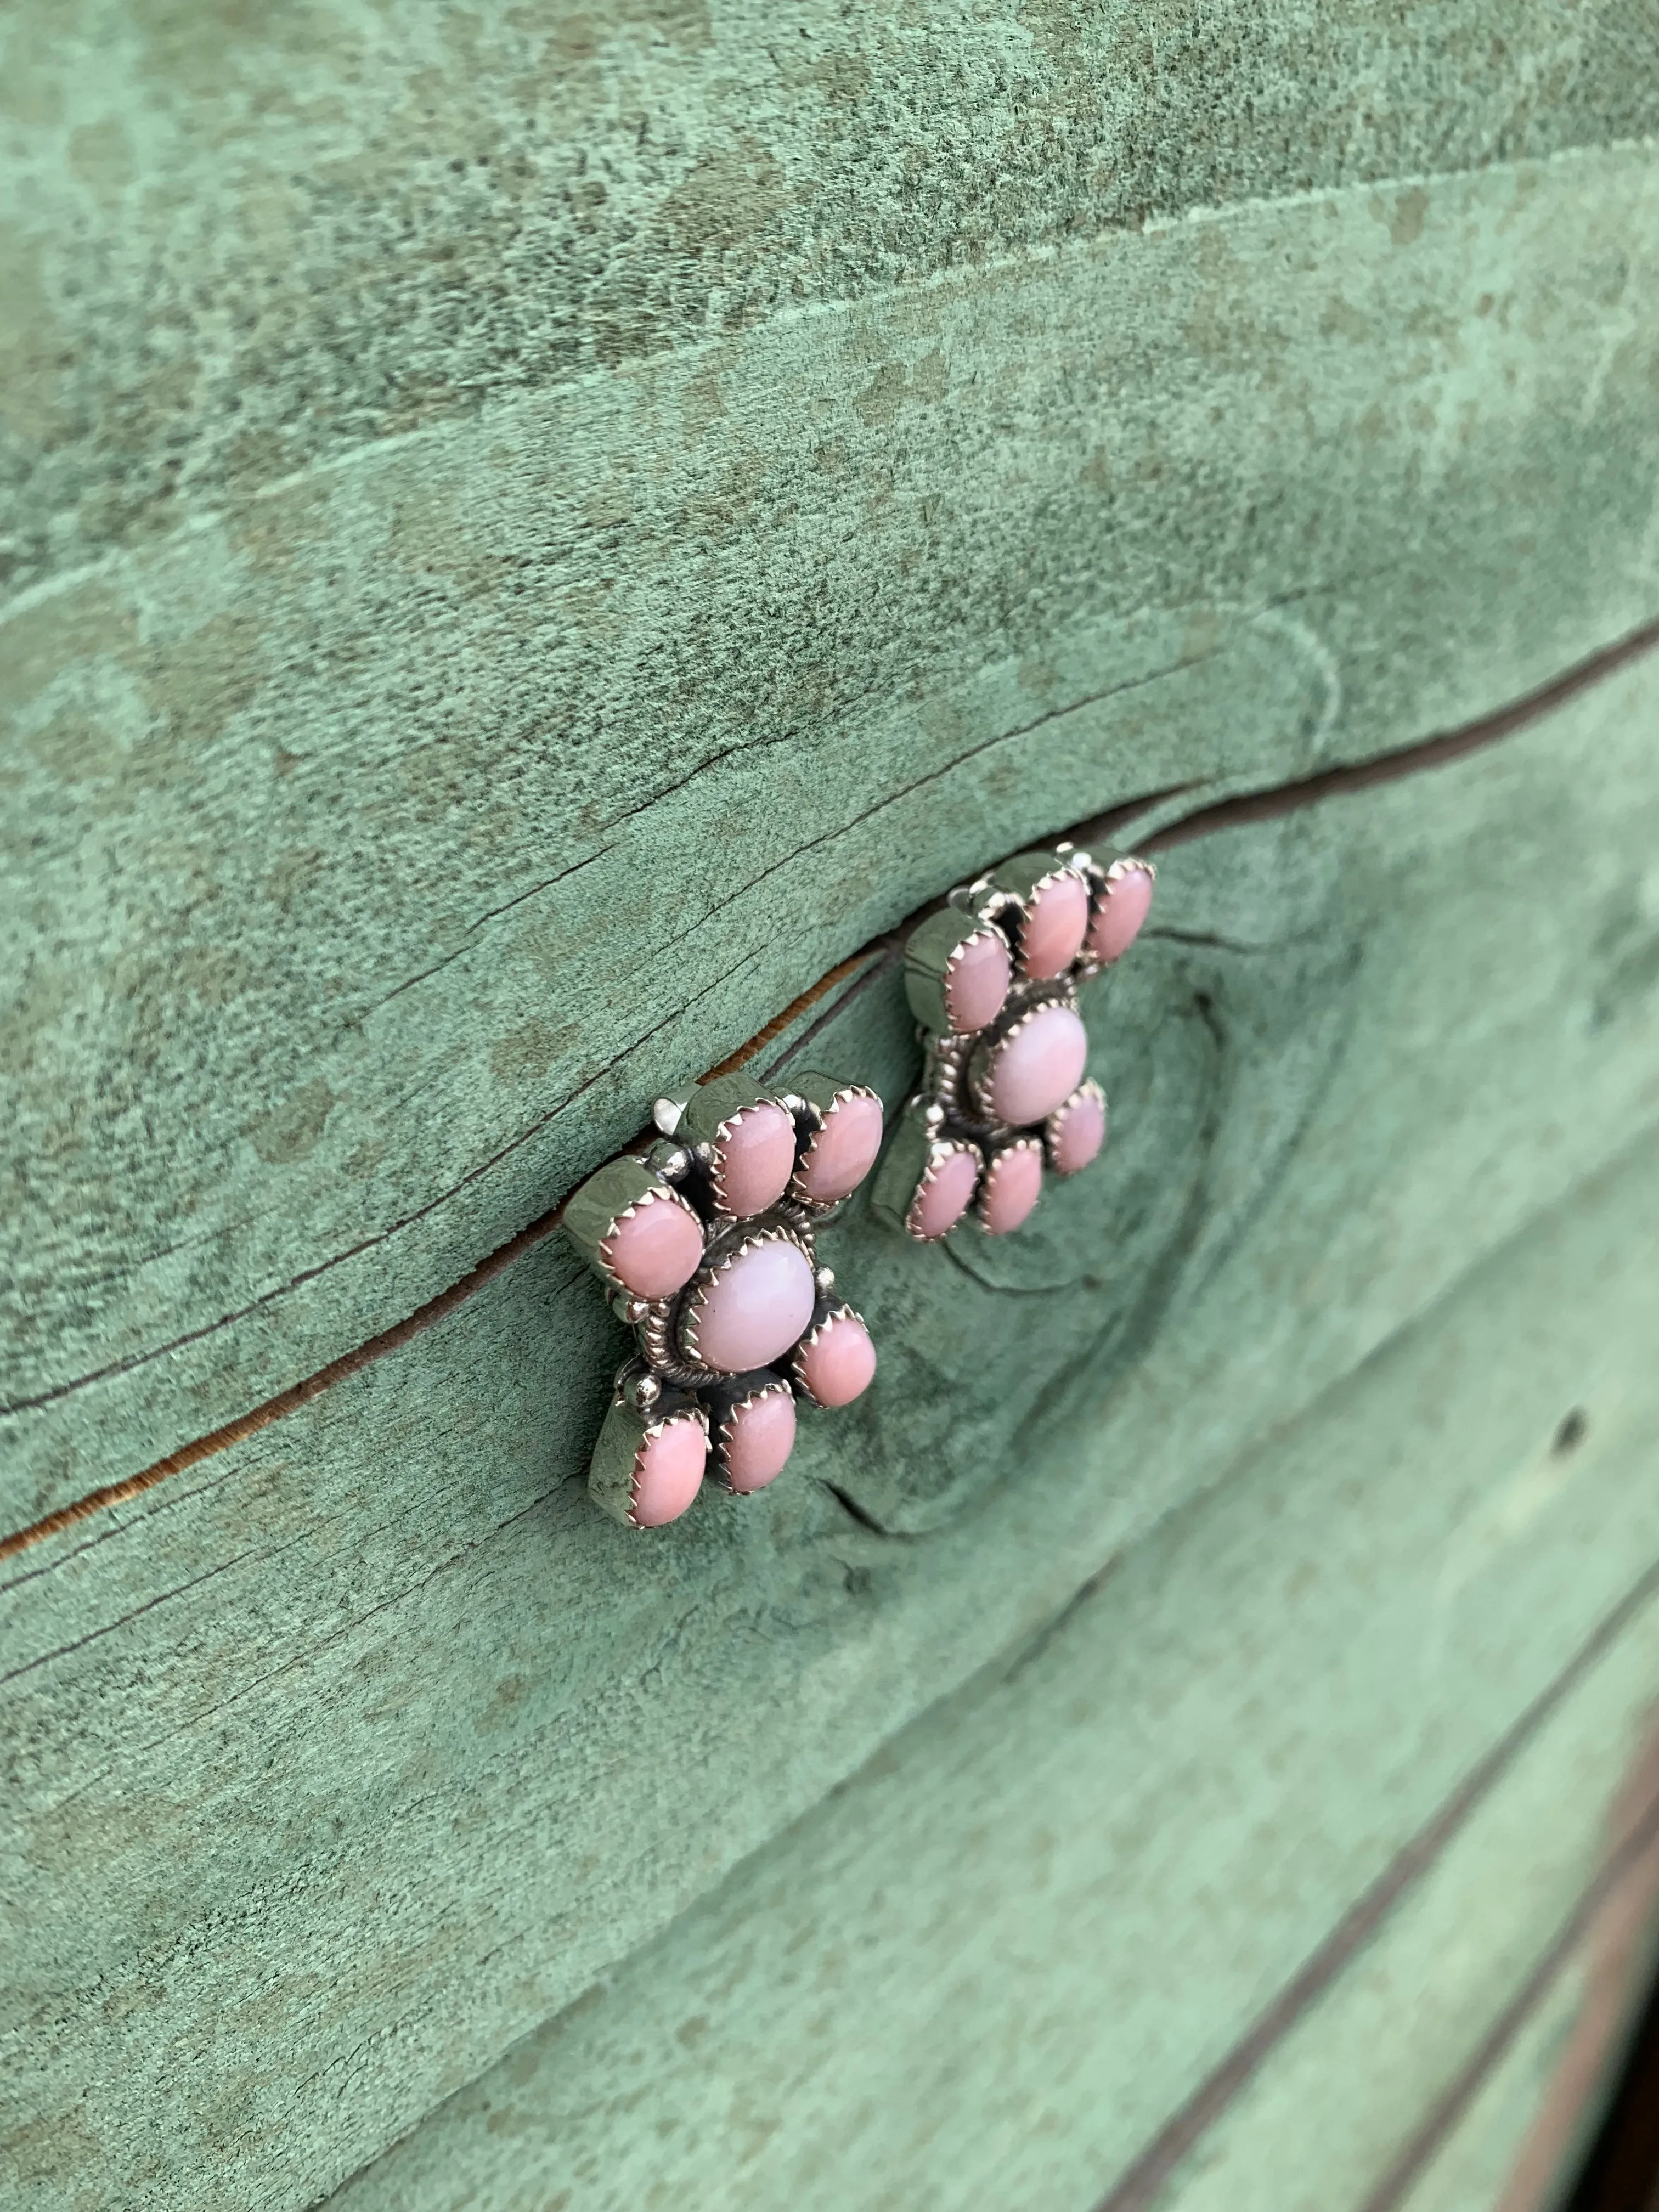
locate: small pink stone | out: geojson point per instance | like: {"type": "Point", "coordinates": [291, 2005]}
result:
{"type": "Point", "coordinates": [1076, 1131]}
{"type": "Point", "coordinates": [762, 1438]}
{"type": "Point", "coordinates": [656, 1247]}
{"type": "Point", "coordinates": [1011, 1188]}
{"type": "Point", "coordinates": [1040, 1063]}
{"type": "Point", "coordinates": [1055, 921]}
{"type": "Point", "coordinates": [837, 1365]}
{"type": "Point", "coordinates": [976, 981]}
{"type": "Point", "coordinates": [755, 1309]}
{"type": "Point", "coordinates": [1127, 902]}
{"type": "Point", "coordinates": [945, 1193]}
{"type": "Point", "coordinates": [755, 1157]}
{"type": "Point", "coordinates": [668, 1471]}
{"type": "Point", "coordinates": [844, 1152]}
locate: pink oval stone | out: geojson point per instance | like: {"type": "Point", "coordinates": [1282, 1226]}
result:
{"type": "Point", "coordinates": [944, 1193]}
{"type": "Point", "coordinates": [1077, 1130]}
{"type": "Point", "coordinates": [841, 1152]}
{"type": "Point", "coordinates": [976, 981]}
{"type": "Point", "coordinates": [754, 1158]}
{"type": "Point", "coordinates": [1038, 1064]}
{"type": "Point", "coordinates": [656, 1247]}
{"type": "Point", "coordinates": [668, 1471]}
{"type": "Point", "coordinates": [1127, 902]}
{"type": "Point", "coordinates": [838, 1363]}
{"type": "Point", "coordinates": [755, 1309]}
{"type": "Point", "coordinates": [1013, 1188]}
{"type": "Point", "coordinates": [1056, 920]}
{"type": "Point", "coordinates": [760, 1438]}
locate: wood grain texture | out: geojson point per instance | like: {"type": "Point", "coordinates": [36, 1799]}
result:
{"type": "Point", "coordinates": [1472, 2169]}
{"type": "Point", "coordinates": [344, 1758]}
{"type": "Point", "coordinates": [987, 1971]}
{"type": "Point", "coordinates": [1550, 2074]}
{"type": "Point", "coordinates": [244, 243]}
{"type": "Point", "coordinates": [384, 829]}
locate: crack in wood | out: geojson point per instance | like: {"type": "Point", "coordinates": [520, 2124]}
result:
{"type": "Point", "coordinates": [1437, 750]}
{"type": "Point", "coordinates": [135, 1359]}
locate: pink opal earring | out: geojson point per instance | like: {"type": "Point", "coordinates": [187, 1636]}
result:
{"type": "Point", "coordinates": [706, 1246]}
{"type": "Point", "coordinates": [993, 982]}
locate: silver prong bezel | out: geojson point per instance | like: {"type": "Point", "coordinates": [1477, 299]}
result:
{"type": "Point", "coordinates": [988, 929]}
{"type": "Point", "coordinates": [1067, 870]}
{"type": "Point", "coordinates": [613, 1475]}
{"type": "Point", "coordinates": [1087, 1089]}
{"type": "Point", "coordinates": [938, 1154]}
{"type": "Point", "coordinates": [1102, 877]}
{"type": "Point", "coordinates": [662, 1193]}
{"type": "Point", "coordinates": [982, 1196]}
{"type": "Point", "coordinates": [713, 1154]}
{"type": "Point", "coordinates": [839, 1311]}
{"type": "Point", "coordinates": [819, 1113]}
{"type": "Point", "coordinates": [1036, 999]}
{"type": "Point", "coordinates": [726, 1435]}
{"type": "Point", "coordinates": [932, 957]}
{"type": "Point", "coordinates": [653, 1430]}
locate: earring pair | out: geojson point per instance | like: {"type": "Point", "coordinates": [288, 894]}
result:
{"type": "Point", "coordinates": [705, 1243]}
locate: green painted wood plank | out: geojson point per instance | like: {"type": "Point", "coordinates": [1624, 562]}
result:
{"type": "Point", "coordinates": [1516, 2129]}
{"type": "Point", "coordinates": [1478, 2161]}
{"type": "Point", "coordinates": [1376, 2059]}
{"type": "Point", "coordinates": [380, 837]}
{"type": "Point", "coordinates": [238, 251]}
{"type": "Point", "coordinates": [987, 1971]}
{"type": "Point", "coordinates": [379, 1688]}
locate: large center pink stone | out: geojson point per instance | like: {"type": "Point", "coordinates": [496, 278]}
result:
{"type": "Point", "coordinates": [656, 1247]}
{"type": "Point", "coordinates": [668, 1471]}
{"type": "Point", "coordinates": [755, 1157]}
{"type": "Point", "coordinates": [946, 1192]}
{"type": "Point", "coordinates": [1037, 1064]}
{"type": "Point", "coordinates": [1058, 916]}
{"type": "Point", "coordinates": [844, 1150]}
{"type": "Point", "coordinates": [1127, 902]}
{"type": "Point", "coordinates": [761, 1437]}
{"type": "Point", "coordinates": [837, 1366]}
{"type": "Point", "coordinates": [755, 1309]}
{"type": "Point", "coordinates": [976, 981]}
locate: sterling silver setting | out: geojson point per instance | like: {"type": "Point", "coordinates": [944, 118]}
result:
{"type": "Point", "coordinates": [993, 981]}
{"type": "Point", "coordinates": [679, 1237]}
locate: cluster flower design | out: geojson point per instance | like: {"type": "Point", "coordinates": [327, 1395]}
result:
{"type": "Point", "coordinates": [992, 979]}
{"type": "Point", "coordinates": [706, 1247]}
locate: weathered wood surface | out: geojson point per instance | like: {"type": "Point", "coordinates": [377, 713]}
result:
{"type": "Point", "coordinates": [339, 1761]}
{"type": "Point", "coordinates": [1551, 2071]}
{"type": "Point", "coordinates": [406, 775]}
{"type": "Point", "coordinates": [248, 244]}
{"type": "Point", "coordinates": [530, 540]}
{"type": "Point", "coordinates": [1053, 1912]}
{"type": "Point", "coordinates": [1471, 2171]}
